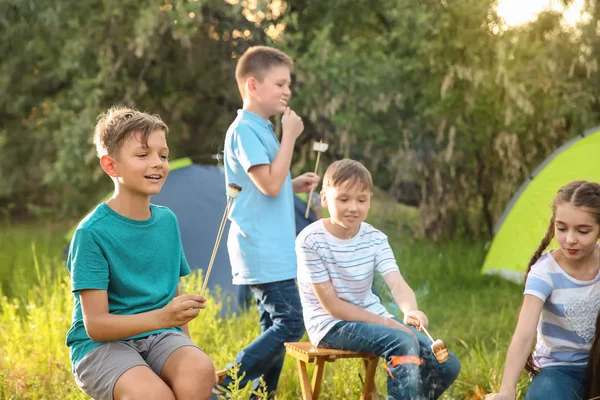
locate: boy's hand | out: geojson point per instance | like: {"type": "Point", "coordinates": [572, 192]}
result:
{"type": "Point", "coordinates": [291, 124]}
{"type": "Point", "coordinates": [305, 182]}
{"type": "Point", "coordinates": [182, 309]}
{"type": "Point", "coordinates": [416, 318]}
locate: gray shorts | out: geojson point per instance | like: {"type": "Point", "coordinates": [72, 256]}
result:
{"type": "Point", "coordinates": [97, 373]}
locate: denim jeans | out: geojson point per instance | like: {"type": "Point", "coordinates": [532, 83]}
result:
{"type": "Point", "coordinates": [564, 382]}
{"type": "Point", "coordinates": [407, 381]}
{"type": "Point", "coordinates": [280, 313]}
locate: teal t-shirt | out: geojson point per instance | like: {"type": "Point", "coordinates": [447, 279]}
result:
{"type": "Point", "coordinates": [138, 263]}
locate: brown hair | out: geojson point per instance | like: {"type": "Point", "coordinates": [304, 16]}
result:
{"type": "Point", "coordinates": [593, 370]}
{"type": "Point", "coordinates": [582, 194]}
{"type": "Point", "coordinates": [347, 171]}
{"type": "Point", "coordinates": [256, 61]}
{"type": "Point", "coordinates": [119, 123]}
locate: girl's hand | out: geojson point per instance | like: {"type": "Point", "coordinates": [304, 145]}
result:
{"type": "Point", "coordinates": [416, 318]}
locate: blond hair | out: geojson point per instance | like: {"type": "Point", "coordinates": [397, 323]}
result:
{"type": "Point", "coordinates": [118, 123]}
{"type": "Point", "coordinates": [256, 61]}
{"type": "Point", "coordinates": [347, 171]}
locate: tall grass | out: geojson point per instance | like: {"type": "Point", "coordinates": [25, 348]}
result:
{"type": "Point", "coordinates": [473, 314]}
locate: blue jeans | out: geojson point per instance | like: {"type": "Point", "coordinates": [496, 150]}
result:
{"type": "Point", "coordinates": [407, 381]}
{"type": "Point", "coordinates": [564, 382]}
{"type": "Point", "coordinates": [281, 321]}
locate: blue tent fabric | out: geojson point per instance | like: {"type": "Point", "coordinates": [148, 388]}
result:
{"type": "Point", "coordinates": [196, 194]}
{"type": "Point", "coordinates": [300, 210]}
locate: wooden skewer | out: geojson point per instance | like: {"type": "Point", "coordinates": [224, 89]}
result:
{"type": "Point", "coordinates": [427, 333]}
{"type": "Point", "coordinates": [309, 200]}
{"type": "Point", "coordinates": [217, 242]}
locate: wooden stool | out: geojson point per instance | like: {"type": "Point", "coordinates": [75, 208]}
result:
{"type": "Point", "coordinates": [305, 352]}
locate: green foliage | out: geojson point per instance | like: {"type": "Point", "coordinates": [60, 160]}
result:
{"type": "Point", "coordinates": [63, 64]}
{"type": "Point", "coordinates": [438, 93]}
{"type": "Point", "coordinates": [474, 315]}
{"type": "Point", "coordinates": [438, 96]}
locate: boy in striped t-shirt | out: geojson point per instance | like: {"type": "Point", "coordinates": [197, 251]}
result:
{"type": "Point", "coordinates": [337, 258]}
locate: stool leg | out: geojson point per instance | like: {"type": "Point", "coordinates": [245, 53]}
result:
{"type": "Point", "coordinates": [369, 390]}
{"type": "Point", "coordinates": [304, 381]}
{"type": "Point", "coordinates": [317, 377]}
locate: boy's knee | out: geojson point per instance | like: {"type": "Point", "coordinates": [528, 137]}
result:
{"type": "Point", "coordinates": [292, 329]}
{"type": "Point", "coordinates": [297, 332]}
{"type": "Point", "coordinates": [450, 369]}
{"type": "Point", "coordinates": [197, 381]}
{"type": "Point", "coordinates": [406, 346]}
{"type": "Point", "coordinates": [147, 391]}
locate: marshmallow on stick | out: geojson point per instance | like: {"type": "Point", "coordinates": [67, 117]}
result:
{"type": "Point", "coordinates": [319, 147]}
{"type": "Point", "coordinates": [232, 192]}
{"type": "Point", "coordinates": [438, 348]}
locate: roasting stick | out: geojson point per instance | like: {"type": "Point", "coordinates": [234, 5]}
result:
{"type": "Point", "coordinates": [319, 147]}
{"type": "Point", "coordinates": [427, 333]}
{"type": "Point", "coordinates": [232, 192]}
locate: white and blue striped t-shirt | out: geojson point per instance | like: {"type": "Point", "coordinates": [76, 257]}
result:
{"type": "Point", "coordinates": [568, 320]}
{"type": "Point", "coordinates": [348, 263]}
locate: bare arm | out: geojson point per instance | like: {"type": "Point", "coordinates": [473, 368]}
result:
{"type": "Point", "coordinates": [403, 295]}
{"type": "Point", "coordinates": [345, 311]}
{"type": "Point", "coordinates": [520, 346]}
{"type": "Point", "coordinates": [269, 178]}
{"type": "Point", "coordinates": [406, 300]}
{"type": "Point", "coordinates": [102, 326]}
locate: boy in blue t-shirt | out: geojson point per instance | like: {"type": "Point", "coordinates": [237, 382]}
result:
{"type": "Point", "coordinates": [262, 233]}
{"type": "Point", "coordinates": [127, 337]}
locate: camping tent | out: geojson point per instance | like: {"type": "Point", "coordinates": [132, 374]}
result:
{"type": "Point", "coordinates": [525, 220]}
{"type": "Point", "coordinates": [196, 194]}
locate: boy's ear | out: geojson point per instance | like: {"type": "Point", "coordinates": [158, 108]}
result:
{"type": "Point", "coordinates": [108, 164]}
{"type": "Point", "coordinates": [323, 199]}
{"type": "Point", "coordinates": [251, 86]}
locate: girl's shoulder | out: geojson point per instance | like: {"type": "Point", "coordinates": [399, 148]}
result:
{"type": "Point", "coordinates": [546, 263]}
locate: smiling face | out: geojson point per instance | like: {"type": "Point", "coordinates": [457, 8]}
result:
{"type": "Point", "coordinates": [348, 206]}
{"type": "Point", "coordinates": [576, 231]}
{"type": "Point", "coordinates": [142, 168]}
{"type": "Point", "coordinates": [271, 94]}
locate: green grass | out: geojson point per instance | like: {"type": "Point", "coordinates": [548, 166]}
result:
{"type": "Point", "coordinates": [473, 314]}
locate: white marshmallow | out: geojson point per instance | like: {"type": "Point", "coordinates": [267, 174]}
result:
{"type": "Point", "coordinates": [320, 146]}
{"type": "Point", "coordinates": [233, 190]}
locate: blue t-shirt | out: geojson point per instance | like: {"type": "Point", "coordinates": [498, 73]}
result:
{"type": "Point", "coordinates": [138, 263]}
{"type": "Point", "coordinates": [262, 232]}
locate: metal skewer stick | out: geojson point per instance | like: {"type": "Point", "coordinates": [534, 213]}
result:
{"type": "Point", "coordinates": [232, 192]}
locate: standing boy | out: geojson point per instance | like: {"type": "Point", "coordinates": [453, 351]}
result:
{"type": "Point", "coordinates": [337, 258]}
{"type": "Point", "coordinates": [262, 233]}
{"type": "Point", "coordinates": [125, 260]}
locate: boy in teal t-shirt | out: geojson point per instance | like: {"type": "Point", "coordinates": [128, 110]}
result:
{"type": "Point", "coordinates": [125, 260]}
